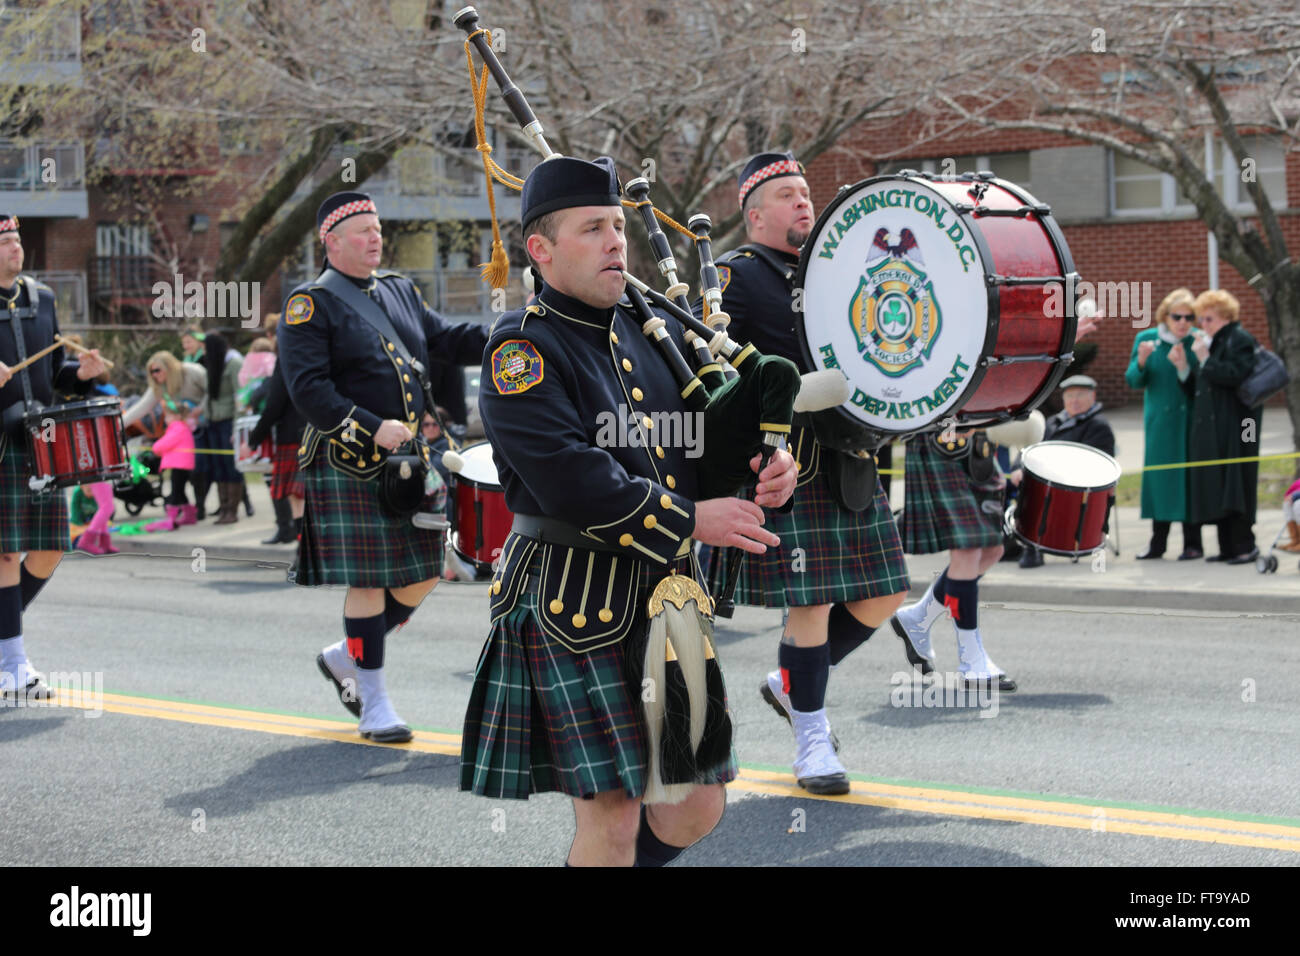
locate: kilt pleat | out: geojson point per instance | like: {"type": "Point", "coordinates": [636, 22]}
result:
{"type": "Point", "coordinates": [941, 508]}
{"type": "Point", "coordinates": [29, 522]}
{"type": "Point", "coordinates": [285, 479]}
{"type": "Point", "coordinates": [542, 718]}
{"type": "Point", "coordinates": [347, 538]}
{"type": "Point", "coordinates": [828, 554]}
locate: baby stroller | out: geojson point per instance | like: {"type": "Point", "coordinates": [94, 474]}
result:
{"type": "Point", "coordinates": [1267, 562]}
{"type": "Point", "coordinates": [143, 486]}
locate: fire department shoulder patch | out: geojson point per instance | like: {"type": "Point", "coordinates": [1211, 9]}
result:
{"type": "Point", "coordinates": [299, 309]}
{"type": "Point", "coordinates": [516, 367]}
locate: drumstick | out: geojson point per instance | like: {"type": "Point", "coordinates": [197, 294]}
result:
{"type": "Point", "coordinates": [32, 358]}
{"type": "Point", "coordinates": [60, 340]}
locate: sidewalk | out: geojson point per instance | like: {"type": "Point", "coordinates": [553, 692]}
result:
{"type": "Point", "coordinates": [1117, 582]}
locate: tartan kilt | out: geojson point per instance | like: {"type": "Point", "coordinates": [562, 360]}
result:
{"type": "Point", "coordinates": [285, 480]}
{"type": "Point", "coordinates": [28, 522]}
{"type": "Point", "coordinates": [846, 555]}
{"type": "Point", "coordinates": [347, 538]}
{"type": "Point", "coordinates": [942, 509]}
{"type": "Point", "coordinates": [542, 718]}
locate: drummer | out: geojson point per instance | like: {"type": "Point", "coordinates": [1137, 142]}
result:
{"type": "Point", "coordinates": [36, 526]}
{"type": "Point", "coordinates": [952, 502]}
{"type": "Point", "coordinates": [362, 400]}
{"type": "Point", "coordinates": [840, 569]}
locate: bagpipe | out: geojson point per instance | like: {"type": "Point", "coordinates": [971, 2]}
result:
{"type": "Point", "coordinates": [746, 400]}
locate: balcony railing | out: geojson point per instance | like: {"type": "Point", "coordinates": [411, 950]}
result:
{"type": "Point", "coordinates": [70, 301]}
{"type": "Point", "coordinates": [419, 171]}
{"type": "Point", "coordinates": [37, 46]}
{"type": "Point", "coordinates": [42, 167]}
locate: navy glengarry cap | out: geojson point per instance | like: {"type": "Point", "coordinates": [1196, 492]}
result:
{"type": "Point", "coordinates": [341, 206]}
{"type": "Point", "coordinates": [766, 166]}
{"type": "Point", "coordinates": [565, 182]}
{"type": "Point", "coordinates": [8, 223]}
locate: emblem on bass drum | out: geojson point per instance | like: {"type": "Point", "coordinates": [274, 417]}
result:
{"type": "Point", "coordinates": [939, 301]}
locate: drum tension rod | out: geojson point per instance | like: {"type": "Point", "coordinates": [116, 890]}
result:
{"type": "Point", "coordinates": [1020, 212]}
{"type": "Point", "coordinates": [1021, 359]}
{"type": "Point", "coordinates": [1024, 280]}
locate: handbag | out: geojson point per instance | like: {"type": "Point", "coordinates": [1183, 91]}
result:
{"type": "Point", "coordinates": [1267, 379]}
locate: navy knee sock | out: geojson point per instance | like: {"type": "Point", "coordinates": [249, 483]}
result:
{"type": "Point", "coordinates": [941, 587]}
{"type": "Point", "coordinates": [650, 850]}
{"type": "Point", "coordinates": [395, 613]}
{"type": "Point", "coordinates": [11, 612]}
{"type": "Point", "coordinates": [365, 640]}
{"type": "Point", "coordinates": [31, 585]}
{"type": "Point", "coordinates": [804, 671]}
{"type": "Point", "coordinates": [962, 598]}
{"type": "Point", "coordinates": [845, 633]}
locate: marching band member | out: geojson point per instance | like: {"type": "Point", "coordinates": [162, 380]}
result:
{"type": "Point", "coordinates": [840, 569]}
{"type": "Point", "coordinates": [362, 401]}
{"type": "Point", "coordinates": [35, 525]}
{"type": "Point", "coordinates": [558, 690]}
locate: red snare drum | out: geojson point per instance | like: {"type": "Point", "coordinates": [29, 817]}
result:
{"type": "Point", "coordinates": [480, 519]}
{"type": "Point", "coordinates": [938, 300]}
{"type": "Point", "coordinates": [76, 444]}
{"type": "Point", "coordinates": [1065, 497]}
{"type": "Point", "coordinates": [259, 459]}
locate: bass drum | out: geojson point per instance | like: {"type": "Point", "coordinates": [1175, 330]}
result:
{"type": "Point", "coordinates": [944, 302]}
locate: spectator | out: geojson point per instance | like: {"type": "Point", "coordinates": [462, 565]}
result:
{"type": "Point", "coordinates": [1162, 361]}
{"type": "Point", "coordinates": [223, 364]}
{"type": "Point", "coordinates": [186, 385]}
{"type": "Point", "coordinates": [256, 369]}
{"type": "Point", "coordinates": [192, 346]}
{"type": "Point", "coordinates": [281, 420]}
{"type": "Point", "coordinates": [1222, 427]}
{"type": "Point", "coordinates": [1080, 421]}
{"type": "Point", "coordinates": [176, 450]}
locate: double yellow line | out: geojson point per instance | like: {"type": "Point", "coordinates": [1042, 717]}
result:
{"type": "Point", "coordinates": [1060, 812]}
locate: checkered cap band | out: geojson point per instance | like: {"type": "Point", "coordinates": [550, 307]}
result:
{"type": "Point", "coordinates": [347, 209]}
{"type": "Point", "coordinates": [9, 225]}
{"type": "Point", "coordinates": [782, 168]}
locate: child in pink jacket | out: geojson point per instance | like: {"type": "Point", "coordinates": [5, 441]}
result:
{"type": "Point", "coordinates": [176, 448]}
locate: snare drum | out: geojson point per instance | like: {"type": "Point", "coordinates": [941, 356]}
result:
{"type": "Point", "coordinates": [259, 459]}
{"type": "Point", "coordinates": [480, 519]}
{"type": "Point", "coordinates": [939, 300]}
{"type": "Point", "coordinates": [1065, 497]}
{"type": "Point", "coordinates": [76, 444]}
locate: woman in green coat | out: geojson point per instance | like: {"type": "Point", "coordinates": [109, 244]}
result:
{"type": "Point", "coordinates": [1222, 427]}
{"type": "Point", "coordinates": [1162, 361]}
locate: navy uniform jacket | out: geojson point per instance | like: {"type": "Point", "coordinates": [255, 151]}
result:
{"type": "Point", "coordinates": [51, 374]}
{"type": "Point", "coordinates": [338, 368]}
{"type": "Point", "coordinates": [760, 301]}
{"type": "Point", "coordinates": [565, 389]}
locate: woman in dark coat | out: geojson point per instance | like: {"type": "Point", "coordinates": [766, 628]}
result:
{"type": "Point", "coordinates": [1222, 427]}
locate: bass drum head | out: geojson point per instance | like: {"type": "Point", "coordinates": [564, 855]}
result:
{"type": "Point", "coordinates": [1068, 464]}
{"type": "Point", "coordinates": [895, 297]}
{"type": "Point", "coordinates": [479, 468]}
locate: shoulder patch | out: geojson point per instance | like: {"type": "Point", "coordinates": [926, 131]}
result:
{"type": "Point", "coordinates": [516, 367]}
{"type": "Point", "coordinates": [299, 309]}
{"type": "Point", "coordinates": [724, 277]}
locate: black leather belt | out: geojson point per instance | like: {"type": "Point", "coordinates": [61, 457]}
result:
{"type": "Point", "coordinates": [551, 531]}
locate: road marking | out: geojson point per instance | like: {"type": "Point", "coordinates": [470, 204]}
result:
{"type": "Point", "coordinates": [962, 803]}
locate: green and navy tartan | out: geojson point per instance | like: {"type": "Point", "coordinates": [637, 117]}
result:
{"type": "Point", "coordinates": [542, 718]}
{"type": "Point", "coordinates": [347, 537]}
{"type": "Point", "coordinates": [842, 555]}
{"type": "Point", "coordinates": [29, 522]}
{"type": "Point", "coordinates": [942, 509]}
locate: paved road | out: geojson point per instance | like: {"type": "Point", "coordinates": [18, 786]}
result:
{"type": "Point", "coordinates": [1140, 736]}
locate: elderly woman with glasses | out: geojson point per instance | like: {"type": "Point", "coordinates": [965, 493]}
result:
{"type": "Point", "coordinates": [184, 384]}
{"type": "Point", "coordinates": [1162, 361]}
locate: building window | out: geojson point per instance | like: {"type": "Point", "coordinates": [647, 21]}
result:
{"type": "Point", "coordinates": [1138, 189]}
{"type": "Point", "coordinates": [1013, 167]}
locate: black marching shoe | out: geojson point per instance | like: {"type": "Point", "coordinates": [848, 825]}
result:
{"type": "Point", "coordinates": [1032, 558]}
{"type": "Point", "coordinates": [1191, 554]}
{"type": "Point", "coordinates": [1247, 558]}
